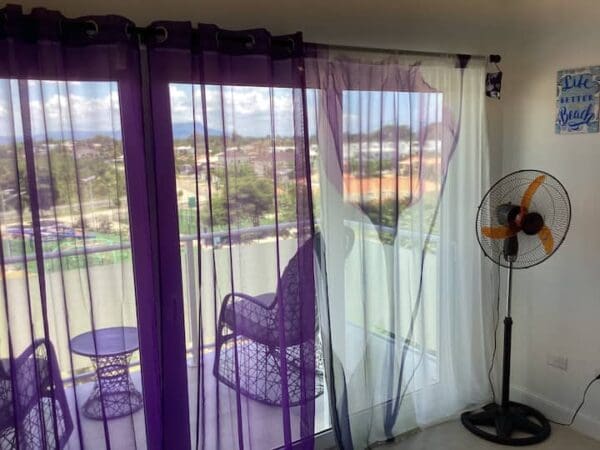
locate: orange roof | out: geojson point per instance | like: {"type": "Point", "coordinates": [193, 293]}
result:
{"type": "Point", "coordinates": [354, 185]}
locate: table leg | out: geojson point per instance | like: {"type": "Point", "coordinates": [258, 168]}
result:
{"type": "Point", "coordinates": [114, 394]}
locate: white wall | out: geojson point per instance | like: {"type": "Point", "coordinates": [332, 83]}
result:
{"type": "Point", "coordinates": [427, 24]}
{"type": "Point", "coordinates": [557, 304]}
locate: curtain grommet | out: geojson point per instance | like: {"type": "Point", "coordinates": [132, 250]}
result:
{"type": "Point", "coordinates": [292, 45]}
{"type": "Point", "coordinates": [164, 34]}
{"type": "Point", "coordinates": [251, 43]}
{"type": "Point", "coordinates": [91, 32]}
{"type": "Point", "coordinates": [128, 33]}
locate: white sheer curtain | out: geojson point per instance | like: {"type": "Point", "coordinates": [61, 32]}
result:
{"type": "Point", "coordinates": [402, 163]}
{"type": "Point", "coordinates": [465, 277]}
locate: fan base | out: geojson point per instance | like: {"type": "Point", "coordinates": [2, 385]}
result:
{"type": "Point", "coordinates": [516, 425]}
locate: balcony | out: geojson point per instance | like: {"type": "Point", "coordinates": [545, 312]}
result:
{"type": "Point", "coordinates": [248, 245]}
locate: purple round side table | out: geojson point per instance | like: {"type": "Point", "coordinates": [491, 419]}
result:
{"type": "Point", "coordinates": [110, 349]}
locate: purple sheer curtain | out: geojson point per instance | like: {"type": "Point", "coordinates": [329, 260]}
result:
{"type": "Point", "coordinates": [235, 209]}
{"type": "Point", "coordinates": [71, 161]}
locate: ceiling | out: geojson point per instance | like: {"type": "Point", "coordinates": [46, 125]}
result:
{"type": "Point", "coordinates": [468, 26]}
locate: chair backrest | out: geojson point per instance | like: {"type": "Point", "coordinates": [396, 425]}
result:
{"type": "Point", "coordinates": [33, 405]}
{"type": "Point", "coordinates": [296, 292]}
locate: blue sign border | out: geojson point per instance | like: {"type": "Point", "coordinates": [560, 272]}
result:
{"type": "Point", "coordinates": [577, 100]}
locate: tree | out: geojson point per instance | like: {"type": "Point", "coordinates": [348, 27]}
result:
{"type": "Point", "coordinates": [63, 176]}
{"type": "Point", "coordinates": [249, 198]}
{"type": "Point", "coordinates": [253, 198]}
{"type": "Point", "coordinates": [287, 202]}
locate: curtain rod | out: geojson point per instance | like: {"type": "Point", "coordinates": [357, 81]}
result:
{"type": "Point", "coordinates": [161, 33]}
{"type": "Point", "coordinates": [493, 58]}
{"type": "Point", "coordinates": [153, 32]}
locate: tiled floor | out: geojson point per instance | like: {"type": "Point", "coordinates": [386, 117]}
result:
{"type": "Point", "coordinates": [128, 433]}
{"type": "Point", "coordinates": [452, 436]}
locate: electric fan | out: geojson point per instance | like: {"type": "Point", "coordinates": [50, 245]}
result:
{"type": "Point", "coordinates": [521, 221]}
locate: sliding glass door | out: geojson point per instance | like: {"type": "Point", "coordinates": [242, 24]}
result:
{"type": "Point", "coordinates": [235, 170]}
{"type": "Point", "coordinates": [79, 360]}
{"type": "Point", "coordinates": [67, 265]}
{"type": "Point", "coordinates": [233, 167]}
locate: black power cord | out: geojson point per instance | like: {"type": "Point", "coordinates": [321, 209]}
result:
{"type": "Point", "coordinates": [568, 424]}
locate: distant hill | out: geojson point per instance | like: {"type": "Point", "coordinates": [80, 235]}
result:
{"type": "Point", "coordinates": [183, 130]}
{"type": "Point", "coordinates": [180, 131]}
{"type": "Point", "coordinates": [61, 135]}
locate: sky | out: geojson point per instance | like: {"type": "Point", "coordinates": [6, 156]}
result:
{"type": "Point", "coordinates": [247, 109]}
{"type": "Point", "coordinates": [57, 107]}
{"type": "Point", "coordinates": [93, 107]}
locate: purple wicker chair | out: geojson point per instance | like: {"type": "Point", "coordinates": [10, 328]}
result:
{"type": "Point", "coordinates": [251, 325]}
{"type": "Point", "coordinates": [34, 413]}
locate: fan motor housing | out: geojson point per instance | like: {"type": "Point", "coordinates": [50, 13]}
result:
{"type": "Point", "coordinates": [507, 214]}
{"type": "Point", "coordinates": [532, 223]}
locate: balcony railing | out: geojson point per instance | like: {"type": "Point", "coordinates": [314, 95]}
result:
{"type": "Point", "coordinates": [216, 240]}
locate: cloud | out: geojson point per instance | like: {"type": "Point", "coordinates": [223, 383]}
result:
{"type": "Point", "coordinates": [63, 111]}
{"type": "Point", "coordinates": [246, 110]}
{"type": "Point", "coordinates": [62, 108]}
{"type": "Point", "coordinates": [9, 101]}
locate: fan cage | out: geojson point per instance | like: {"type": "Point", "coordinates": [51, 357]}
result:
{"type": "Point", "coordinates": [550, 200]}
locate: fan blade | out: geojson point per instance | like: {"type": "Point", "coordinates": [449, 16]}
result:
{"type": "Point", "coordinates": [528, 195]}
{"type": "Point", "coordinates": [547, 240]}
{"type": "Point", "coordinates": [497, 232]}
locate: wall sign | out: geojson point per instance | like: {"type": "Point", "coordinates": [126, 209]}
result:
{"type": "Point", "coordinates": [577, 100]}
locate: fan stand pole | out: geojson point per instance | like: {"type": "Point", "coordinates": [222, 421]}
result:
{"type": "Point", "coordinates": [509, 423]}
{"type": "Point", "coordinates": [508, 323]}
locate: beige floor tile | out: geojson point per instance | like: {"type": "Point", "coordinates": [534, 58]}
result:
{"type": "Point", "coordinates": [452, 436]}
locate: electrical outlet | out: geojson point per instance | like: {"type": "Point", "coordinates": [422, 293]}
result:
{"type": "Point", "coordinates": [559, 361]}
